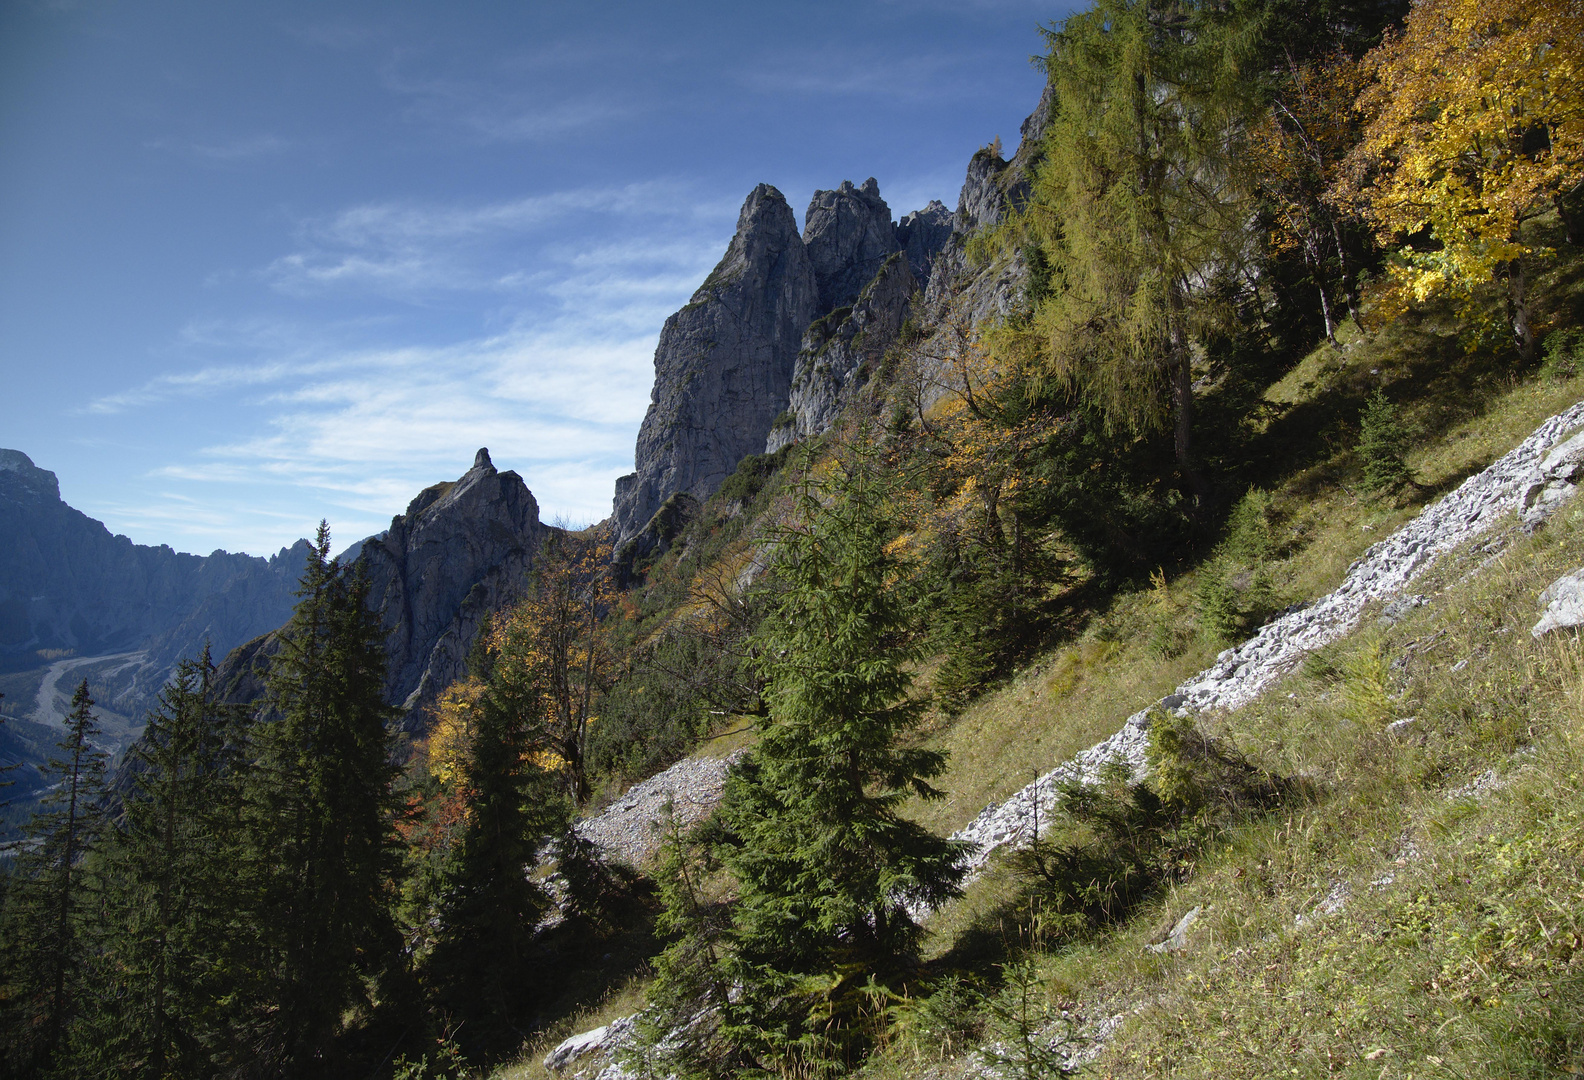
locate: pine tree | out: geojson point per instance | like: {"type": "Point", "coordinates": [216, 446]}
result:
{"type": "Point", "coordinates": [170, 876]}
{"type": "Point", "coordinates": [825, 865]}
{"type": "Point", "coordinates": [48, 904]}
{"type": "Point", "coordinates": [319, 820]}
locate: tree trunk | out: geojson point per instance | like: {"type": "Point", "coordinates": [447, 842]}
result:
{"type": "Point", "coordinates": [1570, 208]}
{"type": "Point", "coordinates": [1182, 390]}
{"type": "Point", "coordinates": [1349, 291]}
{"type": "Point", "coordinates": [1518, 311]}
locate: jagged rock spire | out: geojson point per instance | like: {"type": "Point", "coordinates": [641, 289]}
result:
{"type": "Point", "coordinates": [849, 235]}
{"type": "Point", "coordinates": [724, 364]}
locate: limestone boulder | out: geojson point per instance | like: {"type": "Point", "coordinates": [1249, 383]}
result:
{"type": "Point", "coordinates": [1562, 604]}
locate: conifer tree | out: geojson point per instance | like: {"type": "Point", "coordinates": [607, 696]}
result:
{"type": "Point", "coordinates": [47, 904]}
{"type": "Point", "coordinates": [1138, 205]}
{"type": "Point", "coordinates": [826, 867]}
{"type": "Point", "coordinates": [490, 907]}
{"type": "Point", "coordinates": [319, 820]}
{"type": "Point", "coordinates": [171, 890]}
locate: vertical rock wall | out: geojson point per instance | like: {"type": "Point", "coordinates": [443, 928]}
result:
{"type": "Point", "coordinates": [724, 364]}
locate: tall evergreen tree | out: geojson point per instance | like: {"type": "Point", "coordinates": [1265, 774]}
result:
{"type": "Point", "coordinates": [1137, 206]}
{"type": "Point", "coordinates": [172, 892]}
{"type": "Point", "coordinates": [490, 907]}
{"type": "Point", "coordinates": [47, 903]}
{"type": "Point", "coordinates": [319, 819]}
{"type": "Point", "coordinates": [826, 867]}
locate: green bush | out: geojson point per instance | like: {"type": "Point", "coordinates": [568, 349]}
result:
{"type": "Point", "coordinates": [1564, 354]}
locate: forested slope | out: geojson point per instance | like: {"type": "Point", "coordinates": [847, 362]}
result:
{"type": "Point", "coordinates": [1263, 283]}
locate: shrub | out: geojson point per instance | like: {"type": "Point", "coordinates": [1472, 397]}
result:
{"type": "Point", "coordinates": [1234, 590]}
{"type": "Point", "coordinates": [1564, 354]}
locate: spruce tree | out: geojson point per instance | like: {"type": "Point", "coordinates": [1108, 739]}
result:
{"type": "Point", "coordinates": [825, 865]}
{"type": "Point", "coordinates": [319, 821]}
{"type": "Point", "coordinates": [171, 885]}
{"type": "Point", "coordinates": [1382, 445]}
{"type": "Point", "coordinates": [480, 968]}
{"type": "Point", "coordinates": [48, 902]}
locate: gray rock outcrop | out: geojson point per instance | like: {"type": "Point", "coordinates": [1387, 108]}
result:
{"type": "Point", "coordinates": [1555, 482]}
{"type": "Point", "coordinates": [1562, 605]}
{"type": "Point", "coordinates": [841, 351]}
{"type": "Point", "coordinates": [849, 236]}
{"type": "Point", "coordinates": [724, 364]}
{"type": "Point", "coordinates": [462, 551]}
{"type": "Point", "coordinates": [922, 234]}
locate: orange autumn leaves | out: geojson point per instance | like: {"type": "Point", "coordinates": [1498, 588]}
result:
{"type": "Point", "coordinates": [549, 661]}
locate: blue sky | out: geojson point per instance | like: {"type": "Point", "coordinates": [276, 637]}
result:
{"type": "Point", "coordinates": [266, 263]}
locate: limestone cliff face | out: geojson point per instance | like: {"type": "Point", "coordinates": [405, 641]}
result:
{"type": "Point", "coordinates": [922, 234]}
{"type": "Point", "coordinates": [66, 583]}
{"type": "Point", "coordinates": [841, 352]}
{"type": "Point", "coordinates": [849, 236]}
{"type": "Point", "coordinates": [747, 352]}
{"type": "Point", "coordinates": [992, 187]}
{"type": "Point", "coordinates": [724, 364]}
{"type": "Point", "coordinates": [463, 550]}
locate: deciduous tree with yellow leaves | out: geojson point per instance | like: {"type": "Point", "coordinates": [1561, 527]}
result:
{"type": "Point", "coordinates": [1475, 127]}
{"type": "Point", "coordinates": [551, 652]}
{"type": "Point", "coordinates": [1297, 152]}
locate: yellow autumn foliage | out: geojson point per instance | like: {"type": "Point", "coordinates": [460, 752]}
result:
{"type": "Point", "coordinates": [1476, 123]}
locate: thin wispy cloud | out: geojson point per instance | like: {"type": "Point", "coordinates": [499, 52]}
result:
{"type": "Point", "coordinates": [226, 150]}
{"type": "Point", "coordinates": [556, 393]}
{"type": "Point", "coordinates": [407, 248]}
{"type": "Point", "coordinates": [500, 111]}
{"type": "Point", "coordinates": [922, 77]}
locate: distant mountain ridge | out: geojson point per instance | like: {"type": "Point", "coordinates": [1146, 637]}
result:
{"type": "Point", "coordinates": [68, 585]}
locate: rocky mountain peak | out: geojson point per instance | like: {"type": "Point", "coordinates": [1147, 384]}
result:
{"type": "Point", "coordinates": [463, 550]}
{"type": "Point", "coordinates": [981, 202]}
{"type": "Point", "coordinates": [922, 234]}
{"type": "Point", "coordinates": [724, 363]}
{"type": "Point", "coordinates": [20, 478]}
{"type": "Point", "coordinates": [848, 233]}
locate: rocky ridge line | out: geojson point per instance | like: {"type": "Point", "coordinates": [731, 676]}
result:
{"type": "Point", "coordinates": [461, 551]}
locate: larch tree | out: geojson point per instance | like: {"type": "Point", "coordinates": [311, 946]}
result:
{"type": "Point", "coordinates": [1138, 206]}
